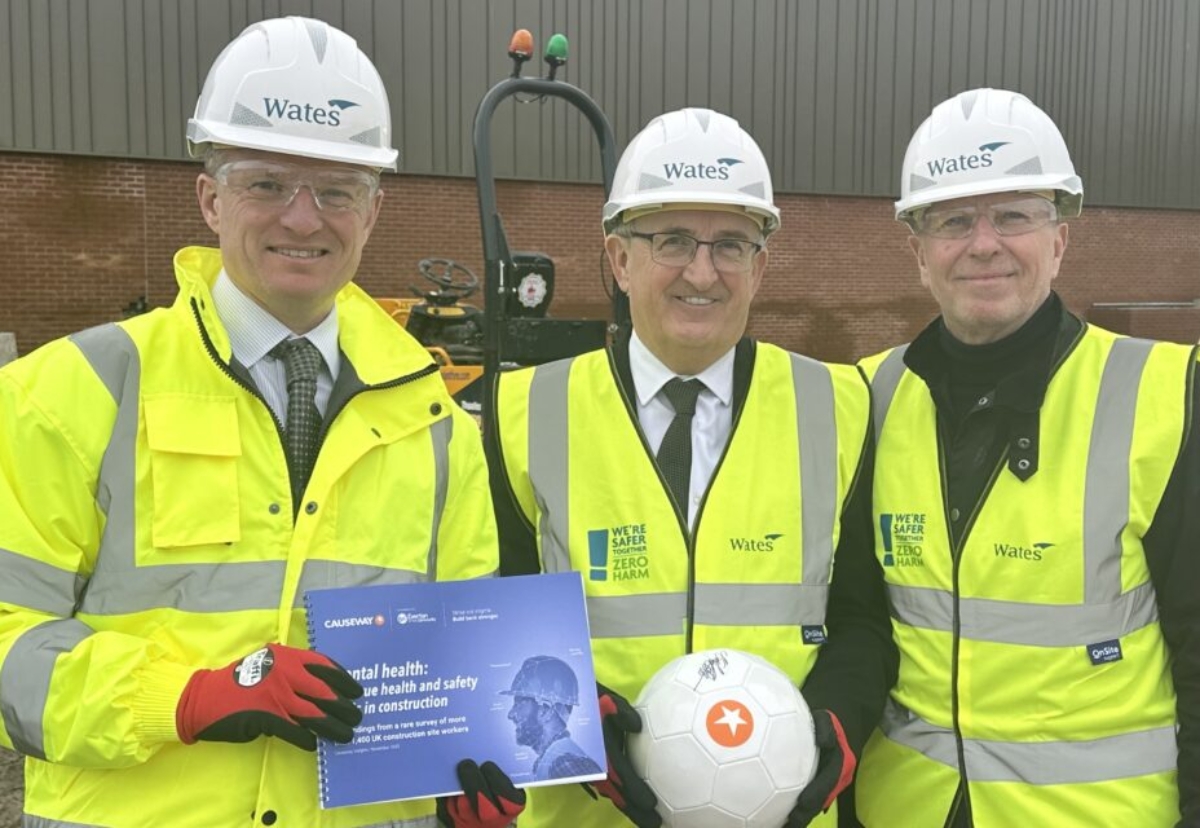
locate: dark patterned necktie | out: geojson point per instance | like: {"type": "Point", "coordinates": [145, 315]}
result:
{"type": "Point", "coordinates": [301, 361]}
{"type": "Point", "coordinates": [675, 452]}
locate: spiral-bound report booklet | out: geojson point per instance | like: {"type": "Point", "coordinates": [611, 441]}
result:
{"type": "Point", "coordinates": [494, 669]}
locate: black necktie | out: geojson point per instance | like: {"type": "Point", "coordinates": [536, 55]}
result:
{"type": "Point", "coordinates": [301, 361]}
{"type": "Point", "coordinates": [675, 453]}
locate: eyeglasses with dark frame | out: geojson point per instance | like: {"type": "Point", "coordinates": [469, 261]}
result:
{"type": "Point", "coordinates": [674, 249]}
{"type": "Point", "coordinates": [1008, 218]}
{"type": "Point", "coordinates": [275, 184]}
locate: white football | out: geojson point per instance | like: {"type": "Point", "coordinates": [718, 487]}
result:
{"type": "Point", "coordinates": [726, 742]}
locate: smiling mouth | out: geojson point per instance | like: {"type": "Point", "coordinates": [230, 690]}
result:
{"type": "Point", "coordinates": [696, 301]}
{"type": "Point", "coordinates": [298, 253]}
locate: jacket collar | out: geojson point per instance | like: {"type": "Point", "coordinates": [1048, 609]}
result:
{"type": "Point", "coordinates": [378, 348]}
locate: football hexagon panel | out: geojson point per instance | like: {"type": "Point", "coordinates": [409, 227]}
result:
{"type": "Point", "coordinates": [681, 776]}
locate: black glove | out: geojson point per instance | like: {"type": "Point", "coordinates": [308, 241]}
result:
{"type": "Point", "coordinates": [276, 691]}
{"type": "Point", "coordinates": [835, 770]}
{"type": "Point", "coordinates": [489, 798]}
{"type": "Point", "coordinates": [623, 787]}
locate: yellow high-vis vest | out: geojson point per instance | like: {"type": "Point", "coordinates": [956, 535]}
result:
{"type": "Point", "coordinates": [755, 573]}
{"type": "Point", "coordinates": [1035, 667]}
{"type": "Point", "coordinates": [146, 531]}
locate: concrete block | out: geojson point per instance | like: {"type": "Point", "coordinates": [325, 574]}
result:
{"type": "Point", "coordinates": [8, 347]}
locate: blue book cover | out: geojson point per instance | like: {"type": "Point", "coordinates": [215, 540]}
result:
{"type": "Point", "coordinates": [495, 669]}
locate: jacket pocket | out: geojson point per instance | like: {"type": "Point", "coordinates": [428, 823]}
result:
{"type": "Point", "coordinates": [195, 447]}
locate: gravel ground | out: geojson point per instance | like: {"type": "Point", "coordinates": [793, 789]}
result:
{"type": "Point", "coordinates": [10, 789]}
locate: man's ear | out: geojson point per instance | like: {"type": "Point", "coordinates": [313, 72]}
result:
{"type": "Point", "coordinates": [617, 249]}
{"type": "Point", "coordinates": [210, 207]}
{"type": "Point", "coordinates": [918, 249]}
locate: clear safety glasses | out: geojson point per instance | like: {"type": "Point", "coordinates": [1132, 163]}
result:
{"type": "Point", "coordinates": [275, 184]}
{"type": "Point", "coordinates": [1008, 218]}
{"type": "Point", "coordinates": [678, 250]}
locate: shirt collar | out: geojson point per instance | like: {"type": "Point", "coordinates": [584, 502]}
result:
{"type": "Point", "coordinates": [253, 331]}
{"type": "Point", "coordinates": [650, 375]}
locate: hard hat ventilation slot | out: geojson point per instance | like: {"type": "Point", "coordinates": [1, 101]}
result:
{"type": "Point", "coordinates": [651, 182]}
{"type": "Point", "coordinates": [704, 117]}
{"type": "Point", "coordinates": [919, 182]}
{"type": "Point", "coordinates": [371, 137]}
{"type": "Point", "coordinates": [319, 37]}
{"type": "Point", "coordinates": [757, 189]}
{"type": "Point", "coordinates": [1031, 166]}
{"type": "Point", "coordinates": [243, 116]}
{"type": "Point", "coordinates": [968, 100]}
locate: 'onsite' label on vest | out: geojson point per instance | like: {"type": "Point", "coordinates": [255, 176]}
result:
{"type": "Point", "coordinates": [1105, 652]}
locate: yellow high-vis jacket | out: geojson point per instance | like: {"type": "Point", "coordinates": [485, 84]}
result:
{"type": "Point", "coordinates": [1033, 669]}
{"type": "Point", "coordinates": [754, 573]}
{"type": "Point", "coordinates": [146, 531]}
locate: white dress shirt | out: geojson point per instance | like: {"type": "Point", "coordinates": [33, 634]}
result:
{"type": "Point", "coordinates": [711, 424]}
{"type": "Point", "coordinates": [253, 332]}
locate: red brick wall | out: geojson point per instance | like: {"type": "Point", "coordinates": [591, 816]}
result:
{"type": "Point", "coordinates": [84, 237]}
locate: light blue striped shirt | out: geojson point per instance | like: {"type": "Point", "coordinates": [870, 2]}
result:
{"type": "Point", "coordinates": [253, 332]}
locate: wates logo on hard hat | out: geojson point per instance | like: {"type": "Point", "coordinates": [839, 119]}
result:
{"type": "Point", "coordinates": [679, 170]}
{"type": "Point", "coordinates": [289, 110]}
{"type": "Point", "coordinates": [729, 723]}
{"type": "Point", "coordinates": [967, 161]}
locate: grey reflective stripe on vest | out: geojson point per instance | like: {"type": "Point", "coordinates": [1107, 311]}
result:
{"type": "Point", "coordinates": [763, 605]}
{"type": "Point", "coordinates": [318, 574]}
{"type": "Point", "coordinates": [37, 585]}
{"type": "Point", "coordinates": [549, 466]}
{"type": "Point", "coordinates": [1106, 487]}
{"type": "Point", "coordinates": [118, 585]}
{"type": "Point", "coordinates": [715, 604]}
{"type": "Point", "coordinates": [441, 433]}
{"type": "Point", "coordinates": [884, 385]}
{"type": "Point", "coordinates": [25, 680]}
{"type": "Point", "coordinates": [630, 616]}
{"type": "Point", "coordinates": [28, 821]}
{"type": "Point", "coordinates": [1106, 612]}
{"type": "Point", "coordinates": [817, 438]}
{"type": "Point", "coordinates": [1034, 625]}
{"type": "Point", "coordinates": [1037, 763]}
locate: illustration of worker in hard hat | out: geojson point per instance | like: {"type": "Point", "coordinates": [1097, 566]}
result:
{"type": "Point", "coordinates": [545, 691]}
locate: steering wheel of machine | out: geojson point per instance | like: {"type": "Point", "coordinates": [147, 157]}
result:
{"type": "Point", "coordinates": [450, 277]}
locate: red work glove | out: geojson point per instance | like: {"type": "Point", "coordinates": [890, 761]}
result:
{"type": "Point", "coordinates": [489, 798]}
{"type": "Point", "coordinates": [624, 787]}
{"type": "Point", "coordinates": [276, 691]}
{"type": "Point", "coordinates": [835, 769]}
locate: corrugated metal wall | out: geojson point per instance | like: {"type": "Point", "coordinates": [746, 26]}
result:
{"type": "Point", "coordinates": [832, 89]}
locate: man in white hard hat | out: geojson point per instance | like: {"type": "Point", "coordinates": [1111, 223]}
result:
{"type": "Point", "coordinates": [700, 481]}
{"type": "Point", "coordinates": [1035, 503]}
{"type": "Point", "coordinates": [171, 485]}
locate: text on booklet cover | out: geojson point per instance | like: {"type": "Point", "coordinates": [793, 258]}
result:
{"type": "Point", "coordinates": [495, 669]}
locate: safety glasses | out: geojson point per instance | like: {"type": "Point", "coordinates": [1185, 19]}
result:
{"type": "Point", "coordinates": [275, 184]}
{"type": "Point", "coordinates": [1008, 218]}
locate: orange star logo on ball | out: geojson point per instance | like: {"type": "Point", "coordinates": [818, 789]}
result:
{"type": "Point", "coordinates": [729, 723]}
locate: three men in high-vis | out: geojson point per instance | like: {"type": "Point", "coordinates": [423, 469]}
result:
{"type": "Point", "coordinates": [711, 490]}
{"type": "Point", "coordinates": [1036, 492]}
{"type": "Point", "coordinates": [172, 484]}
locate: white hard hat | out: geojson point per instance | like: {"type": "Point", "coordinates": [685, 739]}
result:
{"type": "Point", "coordinates": [987, 141]}
{"type": "Point", "coordinates": [693, 156]}
{"type": "Point", "coordinates": [296, 86]}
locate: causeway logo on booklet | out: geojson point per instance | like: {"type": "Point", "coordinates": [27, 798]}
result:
{"type": "Point", "coordinates": [494, 669]}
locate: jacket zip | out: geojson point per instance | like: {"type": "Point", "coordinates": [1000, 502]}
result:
{"type": "Point", "coordinates": [956, 548]}
{"type": "Point", "coordinates": [329, 417]}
